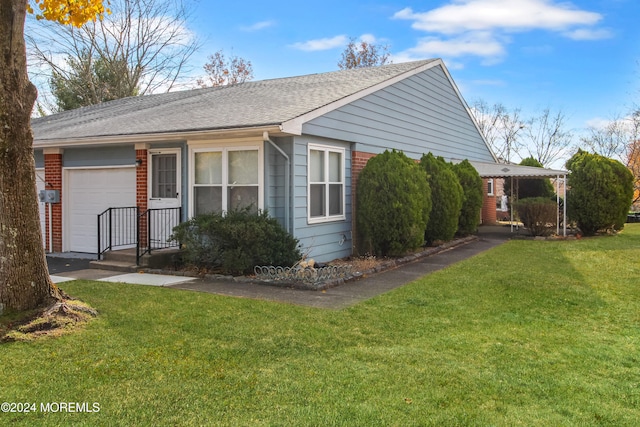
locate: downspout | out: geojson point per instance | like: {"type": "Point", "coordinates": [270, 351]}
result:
{"type": "Point", "coordinates": [265, 138]}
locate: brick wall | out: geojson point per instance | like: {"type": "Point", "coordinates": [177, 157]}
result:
{"type": "Point", "coordinates": [359, 160]}
{"type": "Point", "coordinates": [142, 188]}
{"type": "Point", "coordinates": [53, 181]}
{"type": "Point", "coordinates": [488, 205]}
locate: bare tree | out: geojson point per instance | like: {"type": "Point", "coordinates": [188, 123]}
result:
{"type": "Point", "coordinates": [363, 54]}
{"type": "Point", "coordinates": [619, 139]}
{"type": "Point", "coordinates": [149, 36]}
{"type": "Point", "coordinates": [547, 136]}
{"type": "Point", "coordinates": [613, 139]}
{"type": "Point", "coordinates": [500, 128]}
{"type": "Point", "coordinates": [222, 71]}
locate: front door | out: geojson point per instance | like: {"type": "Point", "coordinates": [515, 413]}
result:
{"type": "Point", "coordinates": [165, 197]}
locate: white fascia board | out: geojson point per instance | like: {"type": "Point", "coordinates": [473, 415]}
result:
{"type": "Point", "coordinates": [294, 126]}
{"type": "Point", "coordinates": [156, 137]}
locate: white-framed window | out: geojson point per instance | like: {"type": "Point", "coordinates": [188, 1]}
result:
{"type": "Point", "coordinates": [225, 178]}
{"type": "Point", "coordinates": [490, 187]}
{"type": "Point", "coordinates": [325, 192]}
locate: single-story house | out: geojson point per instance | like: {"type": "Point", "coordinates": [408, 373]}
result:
{"type": "Point", "coordinates": [293, 146]}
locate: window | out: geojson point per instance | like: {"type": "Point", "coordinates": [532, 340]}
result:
{"type": "Point", "coordinates": [490, 187]}
{"type": "Point", "coordinates": [326, 183]}
{"type": "Point", "coordinates": [225, 179]}
{"type": "Point", "coordinates": [164, 176]}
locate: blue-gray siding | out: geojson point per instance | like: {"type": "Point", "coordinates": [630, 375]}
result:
{"type": "Point", "coordinates": [417, 115]}
{"type": "Point", "coordinates": [275, 170]}
{"type": "Point", "coordinates": [325, 241]}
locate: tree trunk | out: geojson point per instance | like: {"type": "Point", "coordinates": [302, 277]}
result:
{"type": "Point", "coordinates": [24, 277]}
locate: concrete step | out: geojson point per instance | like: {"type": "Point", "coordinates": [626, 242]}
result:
{"type": "Point", "coordinates": [159, 258]}
{"type": "Point", "coordinates": [123, 255]}
{"type": "Point", "coordinates": [122, 266]}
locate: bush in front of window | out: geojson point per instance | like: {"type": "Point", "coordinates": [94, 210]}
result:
{"type": "Point", "coordinates": [393, 205]}
{"type": "Point", "coordinates": [446, 198]}
{"type": "Point", "coordinates": [471, 197]}
{"type": "Point", "coordinates": [236, 241]}
{"type": "Point", "coordinates": [600, 192]}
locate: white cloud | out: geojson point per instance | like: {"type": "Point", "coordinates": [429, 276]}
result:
{"type": "Point", "coordinates": [368, 38]}
{"type": "Point", "coordinates": [598, 123]}
{"type": "Point", "coordinates": [322, 44]}
{"type": "Point", "coordinates": [328, 43]}
{"type": "Point", "coordinates": [481, 27]}
{"type": "Point", "coordinates": [588, 34]}
{"type": "Point", "coordinates": [481, 44]}
{"type": "Point", "coordinates": [514, 15]}
{"type": "Point", "coordinates": [258, 26]}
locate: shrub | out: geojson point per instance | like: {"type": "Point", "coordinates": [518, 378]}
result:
{"type": "Point", "coordinates": [235, 242]}
{"type": "Point", "coordinates": [446, 198]}
{"type": "Point", "coordinates": [538, 214]}
{"type": "Point", "coordinates": [393, 205]}
{"type": "Point", "coordinates": [472, 194]}
{"type": "Point", "coordinates": [531, 187]}
{"type": "Point", "coordinates": [600, 192]}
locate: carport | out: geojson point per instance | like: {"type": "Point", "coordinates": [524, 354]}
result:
{"type": "Point", "coordinates": [516, 172]}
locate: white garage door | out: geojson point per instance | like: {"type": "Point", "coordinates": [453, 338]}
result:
{"type": "Point", "coordinates": [88, 192]}
{"type": "Point", "coordinates": [41, 205]}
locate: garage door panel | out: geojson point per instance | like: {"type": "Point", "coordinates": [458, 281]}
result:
{"type": "Point", "coordinates": [89, 193]}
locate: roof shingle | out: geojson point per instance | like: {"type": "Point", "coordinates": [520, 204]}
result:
{"type": "Point", "coordinates": [249, 104]}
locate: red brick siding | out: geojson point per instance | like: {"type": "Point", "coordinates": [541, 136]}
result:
{"type": "Point", "coordinates": [359, 160]}
{"type": "Point", "coordinates": [488, 205]}
{"type": "Point", "coordinates": [142, 188]}
{"type": "Point", "coordinates": [53, 181]}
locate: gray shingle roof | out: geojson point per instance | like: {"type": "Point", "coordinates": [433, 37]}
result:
{"type": "Point", "coordinates": [256, 103]}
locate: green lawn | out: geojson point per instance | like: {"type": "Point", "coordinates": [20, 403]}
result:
{"type": "Point", "coordinates": [530, 333]}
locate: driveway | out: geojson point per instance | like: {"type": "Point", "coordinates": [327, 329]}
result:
{"type": "Point", "coordinates": [68, 262]}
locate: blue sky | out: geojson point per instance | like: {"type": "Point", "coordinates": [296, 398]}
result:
{"type": "Point", "coordinates": [581, 56]}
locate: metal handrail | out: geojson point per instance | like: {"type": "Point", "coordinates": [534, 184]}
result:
{"type": "Point", "coordinates": [124, 226]}
{"type": "Point", "coordinates": [159, 224]}
{"type": "Point", "coordinates": [117, 227]}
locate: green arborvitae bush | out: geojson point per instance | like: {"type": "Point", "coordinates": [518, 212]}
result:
{"type": "Point", "coordinates": [472, 193]}
{"type": "Point", "coordinates": [393, 205]}
{"type": "Point", "coordinates": [531, 187]}
{"type": "Point", "coordinates": [600, 192]}
{"type": "Point", "coordinates": [538, 214]}
{"type": "Point", "coordinates": [235, 242]}
{"type": "Point", "coordinates": [446, 199]}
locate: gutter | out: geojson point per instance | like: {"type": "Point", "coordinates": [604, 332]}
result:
{"type": "Point", "coordinates": [201, 135]}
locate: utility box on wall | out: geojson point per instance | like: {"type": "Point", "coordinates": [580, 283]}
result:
{"type": "Point", "coordinates": [49, 196]}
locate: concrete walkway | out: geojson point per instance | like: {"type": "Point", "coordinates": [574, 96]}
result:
{"type": "Point", "coordinates": [339, 297]}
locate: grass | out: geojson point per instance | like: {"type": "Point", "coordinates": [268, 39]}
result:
{"type": "Point", "coordinates": [530, 333]}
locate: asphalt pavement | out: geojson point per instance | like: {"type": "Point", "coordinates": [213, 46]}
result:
{"type": "Point", "coordinates": [64, 262]}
